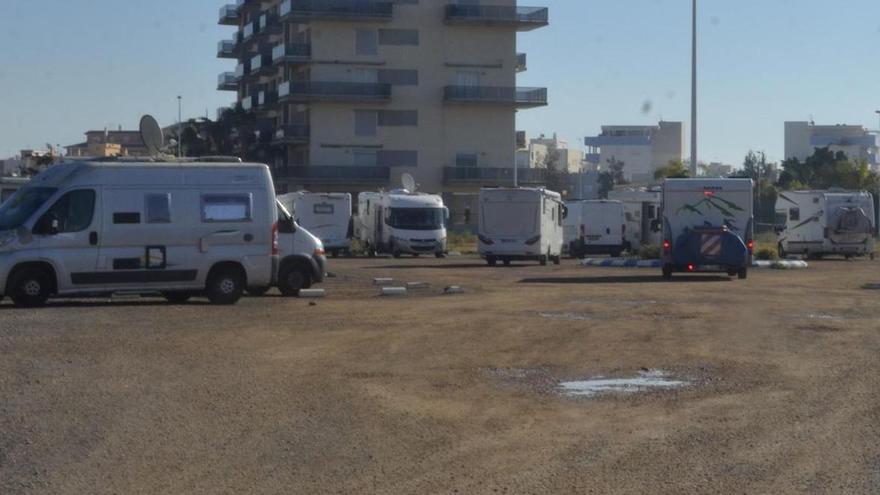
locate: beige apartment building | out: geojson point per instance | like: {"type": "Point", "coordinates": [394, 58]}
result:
{"type": "Point", "coordinates": [352, 94]}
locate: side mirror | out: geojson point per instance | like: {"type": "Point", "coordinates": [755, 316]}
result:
{"type": "Point", "coordinates": [564, 212]}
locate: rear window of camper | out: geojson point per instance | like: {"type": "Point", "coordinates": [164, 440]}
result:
{"type": "Point", "coordinates": [227, 208]}
{"type": "Point", "coordinates": [323, 209]}
{"type": "Point", "coordinates": [158, 208]}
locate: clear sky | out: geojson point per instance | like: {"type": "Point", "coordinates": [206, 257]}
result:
{"type": "Point", "coordinates": [71, 65]}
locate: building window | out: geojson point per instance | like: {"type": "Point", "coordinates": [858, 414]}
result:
{"type": "Point", "coordinates": [399, 77]}
{"type": "Point", "coordinates": [399, 37]}
{"type": "Point", "coordinates": [365, 122]}
{"type": "Point", "coordinates": [396, 118]}
{"type": "Point", "coordinates": [226, 208]}
{"type": "Point", "coordinates": [467, 160]}
{"type": "Point", "coordinates": [365, 158]}
{"type": "Point", "coordinates": [366, 42]}
{"type": "Point", "coordinates": [398, 158]}
{"type": "Point", "coordinates": [158, 208]}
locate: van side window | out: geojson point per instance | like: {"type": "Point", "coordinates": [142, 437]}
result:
{"type": "Point", "coordinates": [323, 209]}
{"type": "Point", "coordinates": [794, 214]}
{"type": "Point", "coordinates": [73, 211]}
{"type": "Point", "coordinates": [227, 208]}
{"type": "Point", "coordinates": [158, 208]}
{"type": "Point", "coordinates": [130, 218]}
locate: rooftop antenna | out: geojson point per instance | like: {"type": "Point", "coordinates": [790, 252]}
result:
{"type": "Point", "coordinates": [151, 134]}
{"type": "Point", "coordinates": [409, 183]}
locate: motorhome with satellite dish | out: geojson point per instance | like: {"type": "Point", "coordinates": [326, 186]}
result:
{"type": "Point", "coordinates": [520, 224]}
{"type": "Point", "coordinates": [708, 226]}
{"type": "Point", "coordinates": [402, 221]}
{"type": "Point", "coordinates": [596, 227]}
{"type": "Point", "coordinates": [325, 215]}
{"type": "Point", "coordinates": [177, 229]}
{"type": "Point", "coordinates": [820, 223]}
{"type": "Point", "coordinates": [641, 208]}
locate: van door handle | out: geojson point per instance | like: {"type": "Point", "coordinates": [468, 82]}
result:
{"type": "Point", "coordinates": [93, 238]}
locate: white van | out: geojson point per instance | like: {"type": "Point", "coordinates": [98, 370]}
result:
{"type": "Point", "coordinates": [819, 223]}
{"type": "Point", "coordinates": [400, 222]}
{"type": "Point", "coordinates": [600, 227]}
{"type": "Point", "coordinates": [520, 224]}
{"type": "Point", "coordinates": [642, 210]}
{"type": "Point", "coordinates": [302, 262]}
{"type": "Point", "coordinates": [326, 215]}
{"type": "Point", "coordinates": [179, 229]}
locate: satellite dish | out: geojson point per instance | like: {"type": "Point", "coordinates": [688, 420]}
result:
{"type": "Point", "coordinates": [409, 183]}
{"type": "Point", "coordinates": [151, 135]}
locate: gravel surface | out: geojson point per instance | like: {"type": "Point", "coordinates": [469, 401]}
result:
{"type": "Point", "coordinates": [434, 393]}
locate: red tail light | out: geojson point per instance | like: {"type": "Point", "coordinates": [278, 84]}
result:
{"type": "Point", "coordinates": [486, 240]}
{"type": "Point", "coordinates": [750, 245]}
{"type": "Point", "coordinates": [691, 268]}
{"type": "Point", "coordinates": [275, 249]}
{"type": "Point", "coordinates": [667, 245]}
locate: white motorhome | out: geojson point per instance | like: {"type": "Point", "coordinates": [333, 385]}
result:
{"type": "Point", "coordinates": [819, 223]}
{"type": "Point", "coordinates": [597, 227]}
{"type": "Point", "coordinates": [520, 224]}
{"type": "Point", "coordinates": [642, 210]}
{"type": "Point", "coordinates": [178, 229]}
{"type": "Point", "coordinates": [326, 215]}
{"type": "Point", "coordinates": [708, 226]}
{"type": "Point", "coordinates": [400, 222]}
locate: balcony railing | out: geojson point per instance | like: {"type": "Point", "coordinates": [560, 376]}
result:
{"type": "Point", "coordinates": [291, 52]}
{"type": "Point", "coordinates": [247, 103]}
{"type": "Point", "coordinates": [226, 49]}
{"type": "Point", "coordinates": [521, 62]}
{"type": "Point", "coordinates": [341, 10]}
{"type": "Point", "coordinates": [292, 134]}
{"type": "Point", "coordinates": [247, 32]}
{"type": "Point", "coordinates": [227, 81]}
{"type": "Point", "coordinates": [523, 18]}
{"type": "Point", "coordinates": [266, 98]}
{"type": "Point", "coordinates": [333, 91]}
{"type": "Point", "coordinates": [520, 97]}
{"type": "Point", "coordinates": [494, 175]}
{"type": "Point", "coordinates": [229, 15]}
{"type": "Point", "coordinates": [319, 173]}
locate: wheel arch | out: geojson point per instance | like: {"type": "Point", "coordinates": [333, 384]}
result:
{"type": "Point", "coordinates": [40, 265]}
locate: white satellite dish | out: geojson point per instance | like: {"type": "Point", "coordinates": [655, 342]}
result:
{"type": "Point", "coordinates": [408, 182]}
{"type": "Point", "coordinates": [151, 135]}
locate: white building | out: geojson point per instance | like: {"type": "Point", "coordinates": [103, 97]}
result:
{"type": "Point", "coordinates": [642, 149]}
{"type": "Point", "coordinates": [535, 155]}
{"type": "Point", "coordinates": [716, 169]}
{"type": "Point", "coordinates": [802, 138]}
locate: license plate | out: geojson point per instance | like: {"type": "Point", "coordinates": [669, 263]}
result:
{"type": "Point", "coordinates": [710, 268]}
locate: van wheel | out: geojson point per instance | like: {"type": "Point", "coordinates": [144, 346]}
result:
{"type": "Point", "coordinates": [543, 260]}
{"type": "Point", "coordinates": [506, 262]}
{"type": "Point", "coordinates": [667, 272]}
{"type": "Point", "coordinates": [30, 288]}
{"type": "Point", "coordinates": [225, 286]}
{"type": "Point", "coordinates": [743, 273]}
{"type": "Point", "coordinates": [491, 261]}
{"type": "Point", "coordinates": [177, 297]}
{"type": "Point", "coordinates": [292, 279]}
{"type": "Point", "coordinates": [557, 260]}
{"type": "Point", "coordinates": [439, 256]}
{"type": "Point", "coordinates": [781, 251]}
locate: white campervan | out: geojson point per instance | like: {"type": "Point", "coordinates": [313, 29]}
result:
{"type": "Point", "coordinates": [400, 222]}
{"type": "Point", "coordinates": [600, 228]}
{"type": "Point", "coordinates": [818, 223]}
{"type": "Point", "coordinates": [179, 229]}
{"type": "Point", "coordinates": [642, 210]}
{"type": "Point", "coordinates": [326, 215]}
{"type": "Point", "coordinates": [520, 224]}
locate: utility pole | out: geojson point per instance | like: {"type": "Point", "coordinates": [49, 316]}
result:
{"type": "Point", "coordinates": [179, 125]}
{"type": "Point", "coordinates": [694, 92]}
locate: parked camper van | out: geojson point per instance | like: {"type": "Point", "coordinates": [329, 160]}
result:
{"type": "Point", "coordinates": [400, 222]}
{"type": "Point", "coordinates": [819, 223]}
{"type": "Point", "coordinates": [708, 226]}
{"type": "Point", "coordinates": [178, 229]}
{"type": "Point", "coordinates": [642, 211]}
{"type": "Point", "coordinates": [326, 215]}
{"type": "Point", "coordinates": [599, 228]}
{"type": "Point", "coordinates": [520, 224]}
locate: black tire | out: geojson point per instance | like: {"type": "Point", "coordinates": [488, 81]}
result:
{"type": "Point", "coordinates": [543, 260]}
{"type": "Point", "coordinates": [506, 262]}
{"type": "Point", "coordinates": [30, 288]}
{"type": "Point", "coordinates": [557, 260]}
{"type": "Point", "coordinates": [225, 286]}
{"type": "Point", "coordinates": [371, 253]}
{"type": "Point", "coordinates": [667, 272]}
{"type": "Point", "coordinates": [257, 291]}
{"type": "Point", "coordinates": [743, 273]}
{"type": "Point", "coordinates": [439, 256]}
{"type": "Point", "coordinates": [780, 251]}
{"type": "Point", "coordinates": [491, 261]}
{"type": "Point", "coordinates": [177, 297]}
{"type": "Point", "coordinates": [292, 279]}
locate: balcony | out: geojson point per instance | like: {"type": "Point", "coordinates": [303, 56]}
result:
{"type": "Point", "coordinates": [247, 103]}
{"type": "Point", "coordinates": [308, 91]}
{"type": "Point", "coordinates": [292, 53]}
{"type": "Point", "coordinates": [336, 10]}
{"type": "Point", "coordinates": [496, 95]}
{"type": "Point", "coordinates": [521, 62]}
{"type": "Point", "coordinates": [226, 49]}
{"type": "Point", "coordinates": [522, 18]}
{"type": "Point", "coordinates": [265, 98]}
{"type": "Point", "coordinates": [261, 64]}
{"type": "Point", "coordinates": [227, 81]}
{"type": "Point", "coordinates": [493, 176]}
{"type": "Point", "coordinates": [292, 134]}
{"type": "Point", "coordinates": [229, 15]}
{"type": "Point", "coordinates": [324, 174]}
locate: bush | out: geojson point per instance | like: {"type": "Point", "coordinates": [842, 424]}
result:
{"type": "Point", "coordinates": [766, 254]}
{"type": "Point", "coordinates": [649, 252]}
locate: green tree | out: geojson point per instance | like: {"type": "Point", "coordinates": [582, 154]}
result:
{"type": "Point", "coordinates": [825, 169]}
{"type": "Point", "coordinates": [755, 167]}
{"type": "Point", "coordinates": [556, 179]}
{"type": "Point", "coordinates": [675, 169]}
{"type": "Point", "coordinates": [606, 184]}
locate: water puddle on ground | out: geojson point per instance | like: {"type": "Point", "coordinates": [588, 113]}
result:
{"type": "Point", "coordinates": [644, 382]}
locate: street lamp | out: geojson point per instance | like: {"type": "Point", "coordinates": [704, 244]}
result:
{"type": "Point", "coordinates": [694, 91]}
{"type": "Point", "coordinates": [179, 124]}
{"type": "Point", "coordinates": [878, 115]}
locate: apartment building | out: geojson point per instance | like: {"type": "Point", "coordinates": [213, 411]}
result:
{"type": "Point", "coordinates": [109, 143]}
{"type": "Point", "coordinates": [802, 138]}
{"type": "Point", "coordinates": [642, 149]}
{"type": "Point", "coordinates": [536, 154]}
{"type": "Point", "coordinates": [353, 93]}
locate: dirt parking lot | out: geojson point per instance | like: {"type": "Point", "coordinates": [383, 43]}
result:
{"type": "Point", "coordinates": [435, 393]}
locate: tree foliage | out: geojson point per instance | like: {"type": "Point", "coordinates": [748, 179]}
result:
{"type": "Point", "coordinates": [826, 169]}
{"type": "Point", "coordinates": [675, 169]}
{"type": "Point", "coordinates": [756, 167]}
{"type": "Point", "coordinates": [234, 133]}
{"type": "Point", "coordinates": [611, 177]}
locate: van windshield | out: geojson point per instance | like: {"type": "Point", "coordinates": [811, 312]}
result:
{"type": "Point", "coordinates": [416, 218]}
{"type": "Point", "coordinates": [21, 206]}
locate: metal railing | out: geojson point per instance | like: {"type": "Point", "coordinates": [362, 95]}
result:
{"type": "Point", "coordinates": [496, 94]}
{"type": "Point", "coordinates": [319, 173]}
{"type": "Point", "coordinates": [292, 133]}
{"type": "Point", "coordinates": [291, 51]}
{"type": "Point", "coordinates": [229, 15]}
{"type": "Point", "coordinates": [346, 91]}
{"type": "Point", "coordinates": [336, 9]}
{"type": "Point", "coordinates": [489, 14]}
{"type": "Point", "coordinates": [494, 175]}
{"type": "Point", "coordinates": [521, 62]}
{"type": "Point", "coordinates": [227, 81]}
{"type": "Point", "coordinates": [226, 48]}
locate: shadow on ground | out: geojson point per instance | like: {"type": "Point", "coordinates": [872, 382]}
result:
{"type": "Point", "coordinates": [632, 279]}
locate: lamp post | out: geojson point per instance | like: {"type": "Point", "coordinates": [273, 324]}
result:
{"type": "Point", "coordinates": [694, 91]}
{"type": "Point", "coordinates": [179, 124]}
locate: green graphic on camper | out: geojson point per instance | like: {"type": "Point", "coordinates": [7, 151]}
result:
{"type": "Point", "coordinates": [710, 202]}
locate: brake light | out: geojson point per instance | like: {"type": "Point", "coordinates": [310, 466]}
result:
{"type": "Point", "coordinates": [533, 240]}
{"type": "Point", "coordinates": [750, 245]}
{"type": "Point", "coordinates": [275, 249]}
{"type": "Point", "coordinates": [486, 240]}
{"type": "Point", "coordinates": [667, 245]}
{"type": "Point", "coordinates": [691, 268]}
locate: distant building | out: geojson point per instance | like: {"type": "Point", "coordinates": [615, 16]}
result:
{"type": "Point", "coordinates": [716, 169]}
{"type": "Point", "coordinates": [802, 138]}
{"type": "Point", "coordinates": [539, 149]}
{"type": "Point", "coordinates": [642, 149]}
{"type": "Point", "coordinates": [109, 143]}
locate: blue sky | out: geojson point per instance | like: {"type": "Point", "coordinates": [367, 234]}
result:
{"type": "Point", "coordinates": [72, 65]}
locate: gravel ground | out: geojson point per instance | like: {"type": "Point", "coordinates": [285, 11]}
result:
{"type": "Point", "coordinates": [433, 393]}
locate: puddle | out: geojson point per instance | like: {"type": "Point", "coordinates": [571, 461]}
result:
{"type": "Point", "coordinates": [568, 316]}
{"type": "Point", "coordinates": [644, 382]}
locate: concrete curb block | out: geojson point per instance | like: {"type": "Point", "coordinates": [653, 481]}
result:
{"type": "Point", "coordinates": [781, 264]}
{"type": "Point", "coordinates": [453, 289]}
{"type": "Point", "coordinates": [416, 285]}
{"type": "Point", "coordinates": [312, 293]}
{"type": "Point", "coordinates": [383, 281]}
{"type": "Point", "coordinates": [631, 263]}
{"type": "Point", "coordinates": [393, 291]}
